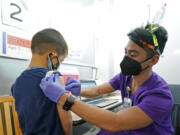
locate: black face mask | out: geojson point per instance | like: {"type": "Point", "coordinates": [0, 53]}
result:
{"type": "Point", "coordinates": [130, 66]}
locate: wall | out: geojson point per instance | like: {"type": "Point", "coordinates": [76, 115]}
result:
{"type": "Point", "coordinates": [9, 70]}
{"type": "Point", "coordinates": [98, 28]}
{"type": "Point", "coordinates": [74, 19]}
{"type": "Point", "coordinates": [126, 15]}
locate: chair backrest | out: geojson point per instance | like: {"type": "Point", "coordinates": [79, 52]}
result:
{"type": "Point", "coordinates": [9, 123]}
{"type": "Point", "coordinates": [175, 90]}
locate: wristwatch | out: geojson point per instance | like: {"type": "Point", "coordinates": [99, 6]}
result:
{"type": "Point", "coordinates": [69, 102]}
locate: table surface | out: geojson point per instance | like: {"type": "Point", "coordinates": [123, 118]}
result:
{"type": "Point", "coordinates": [77, 119]}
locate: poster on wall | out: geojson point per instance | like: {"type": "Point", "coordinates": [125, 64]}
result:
{"type": "Point", "coordinates": [14, 47]}
{"type": "Point", "coordinates": [13, 31]}
{"type": "Point", "coordinates": [14, 13]}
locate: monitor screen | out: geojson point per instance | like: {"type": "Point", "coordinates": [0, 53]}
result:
{"type": "Point", "coordinates": [87, 83]}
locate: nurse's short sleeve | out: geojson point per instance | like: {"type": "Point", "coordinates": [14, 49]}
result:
{"type": "Point", "coordinates": [115, 81]}
{"type": "Point", "coordinates": [157, 106]}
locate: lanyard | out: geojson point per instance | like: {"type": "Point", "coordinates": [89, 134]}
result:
{"type": "Point", "coordinates": [128, 90]}
{"type": "Point", "coordinates": [34, 67]}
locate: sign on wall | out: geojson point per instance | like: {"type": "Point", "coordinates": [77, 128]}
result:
{"type": "Point", "coordinates": [15, 47]}
{"type": "Point", "coordinates": [14, 13]}
{"type": "Point", "coordinates": [14, 29]}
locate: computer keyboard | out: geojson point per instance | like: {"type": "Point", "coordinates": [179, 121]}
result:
{"type": "Point", "coordinates": [102, 102]}
{"type": "Point", "coordinates": [97, 101]}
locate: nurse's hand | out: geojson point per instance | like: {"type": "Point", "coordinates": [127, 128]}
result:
{"type": "Point", "coordinates": [52, 87]}
{"type": "Point", "coordinates": [73, 85]}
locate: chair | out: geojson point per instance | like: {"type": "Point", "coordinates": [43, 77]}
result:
{"type": "Point", "coordinates": [9, 123]}
{"type": "Point", "coordinates": [175, 90]}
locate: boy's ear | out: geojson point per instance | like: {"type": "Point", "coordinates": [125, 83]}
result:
{"type": "Point", "coordinates": [54, 53]}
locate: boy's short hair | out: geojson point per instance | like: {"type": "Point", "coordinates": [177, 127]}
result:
{"type": "Point", "coordinates": [48, 39]}
{"type": "Point", "coordinates": [140, 33]}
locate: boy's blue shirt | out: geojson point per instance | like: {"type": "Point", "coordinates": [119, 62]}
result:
{"type": "Point", "coordinates": [37, 114]}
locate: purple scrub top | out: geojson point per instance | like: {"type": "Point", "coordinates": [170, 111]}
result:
{"type": "Point", "coordinates": [154, 98]}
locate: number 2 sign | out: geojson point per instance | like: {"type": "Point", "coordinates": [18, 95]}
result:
{"type": "Point", "coordinates": [14, 13]}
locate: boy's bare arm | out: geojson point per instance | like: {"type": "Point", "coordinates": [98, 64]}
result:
{"type": "Point", "coordinates": [65, 116]}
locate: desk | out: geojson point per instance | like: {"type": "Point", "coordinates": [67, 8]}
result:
{"type": "Point", "coordinates": [78, 120]}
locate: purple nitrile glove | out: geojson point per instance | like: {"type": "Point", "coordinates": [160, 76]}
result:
{"type": "Point", "coordinates": [73, 85]}
{"type": "Point", "coordinates": [52, 88]}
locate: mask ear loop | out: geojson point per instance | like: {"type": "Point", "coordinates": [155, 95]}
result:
{"type": "Point", "coordinates": [49, 63]}
{"type": "Point", "coordinates": [145, 61]}
{"type": "Point", "coordinates": [55, 66]}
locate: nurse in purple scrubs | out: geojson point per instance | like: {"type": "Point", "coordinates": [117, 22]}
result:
{"type": "Point", "coordinates": [147, 99]}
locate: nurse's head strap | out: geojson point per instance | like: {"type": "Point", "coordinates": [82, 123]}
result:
{"type": "Point", "coordinates": [153, 27]}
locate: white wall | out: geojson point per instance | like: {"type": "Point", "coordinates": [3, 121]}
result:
{"type": "Point", "coordinates": [110, 20]}
{"type": "Point", "coordinates": [169, 65]}
{"type": "Point", "coordinates": [125, 15]}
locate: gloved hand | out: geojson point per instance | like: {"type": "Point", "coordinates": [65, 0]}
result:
{"type": "Point", "coordinates": [52, 87]}
{"type": "Point", "coordinates": [73, 85]}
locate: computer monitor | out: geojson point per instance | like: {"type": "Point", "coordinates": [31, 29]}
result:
{"type": "Point", "coordinates": [87, 83]}
{"type": "Point", "coordinates": [97, 101]}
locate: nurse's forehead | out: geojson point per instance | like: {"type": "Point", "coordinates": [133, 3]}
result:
{"type": "Point", "coordinates": [133, 47]}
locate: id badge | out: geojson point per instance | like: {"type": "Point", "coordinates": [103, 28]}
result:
{"type": "Point", "coordinates": [127, 102]}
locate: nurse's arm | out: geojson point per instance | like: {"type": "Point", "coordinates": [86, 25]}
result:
{"type": "Point", "coordinates": [94, 91]}
{"type": "Point", "coordinates": [65, 116]}
{"type": "Point", "coordinates": [127, 119]}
